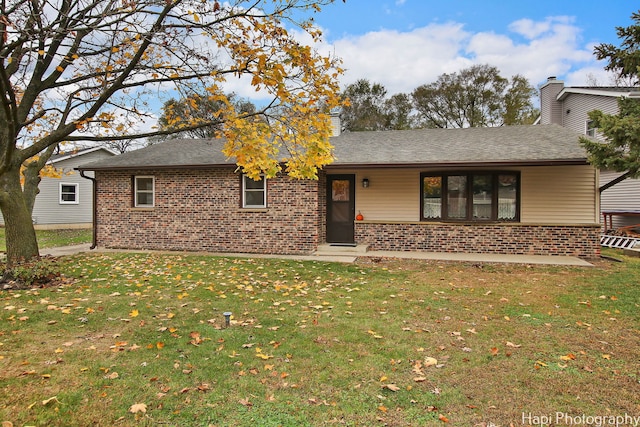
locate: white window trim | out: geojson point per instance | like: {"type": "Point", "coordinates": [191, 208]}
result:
{"type": "Point", "coordinates": [77, 193]}
{"type": "Point", "coordinates": [153, 191]}
{"type": "Point", "coordinates": [244, 193]}
{"type": "Point", "coordinates": [588, 126]}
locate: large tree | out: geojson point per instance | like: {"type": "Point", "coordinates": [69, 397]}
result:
{"type": "Point", "coordinates": [200, 108]}
{"type": "Point", "coordinates": [474, 97]}
{"type": "Point", "coordinates": [89, 70]}
{"type": "Point", "coordinates": [364, 109]}
{"type": "Point", "coordinates": [620, 150]}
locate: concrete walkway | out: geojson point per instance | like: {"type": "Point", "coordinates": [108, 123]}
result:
{"type": "Point", "coordinates": [348, 256]}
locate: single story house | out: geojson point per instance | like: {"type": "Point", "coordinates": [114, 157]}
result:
{"type": "Point", "coordinates": [506, 190]}
{"type": "Point", "coordinates": [66, 201]}
{"type": "Point", "coordinates": [568, 106]}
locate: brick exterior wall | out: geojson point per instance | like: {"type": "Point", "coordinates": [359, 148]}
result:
{"type": "Point", "coordinates": [200, 210]}
{"type": "Point", "coordinates": [517, 239]}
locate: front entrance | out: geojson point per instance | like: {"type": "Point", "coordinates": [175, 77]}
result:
{"type": "Point", "coordinates": [341, 208]}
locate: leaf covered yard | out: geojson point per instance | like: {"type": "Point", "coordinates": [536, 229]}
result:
{"type": "Point", "coordinates": [141, 339]}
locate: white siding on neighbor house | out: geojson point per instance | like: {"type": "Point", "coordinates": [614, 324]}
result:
{"type": "Point", "coordinates": [48, 210]}
{"type": "Point", "coordinates": [624, 196]}
{"type": "Point", "coordinates": [549, 194]}
{"type": "Point", "coordinates": [577, 105]}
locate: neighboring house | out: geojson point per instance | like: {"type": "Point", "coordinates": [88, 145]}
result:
{"type": "Point", "coordinates": [568, 107]}
{"type": "Point", "coordinates": [507, 190]}
{"type": "Point", "coordinates": [67, 202]}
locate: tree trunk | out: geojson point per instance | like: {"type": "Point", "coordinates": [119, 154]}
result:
{"type": "Point", "coordinates": [20, 234]}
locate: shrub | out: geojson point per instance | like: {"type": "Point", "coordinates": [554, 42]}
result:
{"type": "Point", "coordinates": [37, 272]}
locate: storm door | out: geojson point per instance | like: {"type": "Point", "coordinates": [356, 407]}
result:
{"type": "Point", "coordinates": [341, 208]}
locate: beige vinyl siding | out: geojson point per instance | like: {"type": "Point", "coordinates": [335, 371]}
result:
{"type": "Point", "coordinates": [392, 195]}
{"type": "Point", "coordinates": [549, 194]}
{"type": "Point", "coordinates": [559, 195]}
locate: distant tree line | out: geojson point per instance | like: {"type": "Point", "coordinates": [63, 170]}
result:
{"type": "Point", "coordinates": [477, 96]}
{"type": "Point", "coordinates": [473, 97]}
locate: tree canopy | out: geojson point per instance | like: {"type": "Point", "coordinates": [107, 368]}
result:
{"type": "Point", "coordinates": [364, 109]}
{"type": "Point", "coordinates": [198, 108]}
{"type": "Point", "coordinates": [473, 97]}
{"type": "Point", "coordinates": [620, 150]}
{"type": "Point", "coordinates": [89, 70]}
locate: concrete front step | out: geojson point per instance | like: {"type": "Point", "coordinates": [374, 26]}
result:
{"type": "Point", "coordinates": [341, 248]}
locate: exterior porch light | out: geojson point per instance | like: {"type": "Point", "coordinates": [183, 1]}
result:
{"type": "Point", "coordinates": [365, 182]}
{"type": "Point", "coordinates": [227, 319]}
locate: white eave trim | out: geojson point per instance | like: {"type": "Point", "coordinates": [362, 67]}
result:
{"type": "Point", "coordinates": [597, 92]}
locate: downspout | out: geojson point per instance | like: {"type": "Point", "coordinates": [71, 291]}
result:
{"type": "Point", "coordinates": [94, 236]}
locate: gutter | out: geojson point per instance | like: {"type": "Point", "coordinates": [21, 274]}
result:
{"type": "Point", "coordinates": [94, 235]}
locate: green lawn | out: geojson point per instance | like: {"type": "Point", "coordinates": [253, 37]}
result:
{"type": "Point", "coordinates": [140, 339]}
{"type": "Point", "coordinates": [54, 238]}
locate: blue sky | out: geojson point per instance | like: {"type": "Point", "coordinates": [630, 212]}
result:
{"type": "Point", "coordinates": [405, 43]}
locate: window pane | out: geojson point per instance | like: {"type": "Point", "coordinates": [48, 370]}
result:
{"type": "Point", "coordinates": [250, 184]}
{"type": "Point", "coordinates": [482, 196]}
{"type": "Point", "coordinates": [144, 184]}
{"type": "Point", "coordinates": [254, 198]}
{"type": "Point", "coordinates": [432, 196]}
{"type": "Point", "coordinates": [457, 196]}
{"type": "Point", "coordinates": [144, 199]}
{"type": "Point", "coordinates": [340, 190]}
{"type": "Point", "coordinates": [507, 196]}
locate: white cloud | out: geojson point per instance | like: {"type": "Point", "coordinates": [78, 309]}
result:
{"type": "Point", "coordinates": [401, 61]}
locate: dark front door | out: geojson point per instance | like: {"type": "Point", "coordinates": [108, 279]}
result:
{"type": "Point", "coordinates": [341, 207]}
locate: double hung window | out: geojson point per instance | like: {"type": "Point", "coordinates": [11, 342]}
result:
{"type": "Point", "coordinates": [144, 192]}
{"type": "Point", "coordinates": [69, 193]}
{"type": "Point", "coordinates": [254, 193]}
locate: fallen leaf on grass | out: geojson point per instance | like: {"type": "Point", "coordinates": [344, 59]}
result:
{"type": "Point", "coordinates": [204, 387]}
{"type": "Point", "coordinates": [49, 400]}
{"type": "Point", "coordinates": [245, 402]}
{"type": "Point", "coordinates": [443, 418]}
{"type": "Point", "coordinates": [430, 361]}
{"type": "Point", "coordinates": [138, 407]}
{"type": "Point", "coordinates": [391, 387]}
{"type": "Point", "coordinates": [512, 345]}
{"type": "Point", "coordinates": [195, 338]}
{"type": "Point", "coordinates": [568, 357]}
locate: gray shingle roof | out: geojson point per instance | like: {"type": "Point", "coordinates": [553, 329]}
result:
{"type": "Point", "coordinates": [540, 144]}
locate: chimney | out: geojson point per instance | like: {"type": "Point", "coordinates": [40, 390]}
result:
{"type": "Point", "coordinates": [336, 123]}
{"type": "Point", "coordinates": [550, 107]}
